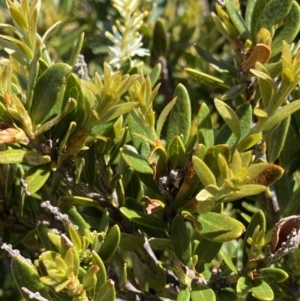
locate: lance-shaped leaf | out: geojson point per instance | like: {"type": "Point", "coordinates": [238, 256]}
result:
{"type": "Point", "coordinates": [229, 117]}
{"type": "Point", "coordinates": [181, 239]}
{"type": "Point", "coordinates": [243, 191]}
{"type": "Point", "coordinates": [117, 110]}
{"type": "Point", "coordinates": [249, 11]}
{"type": "Point", "coordinates": [206, 79]}
{"type": "Point", "coordinates": [227, 259]}
{"type": "Point", "coordinates": [276, 140]}
{"type": "Point", "coordinates": [160, 40]}
{"type": "Point", "coordinates": [101, 275]}
{"type": "Point", "coordinates": [237, 20]}
{"type": "Point", "coordinates": [47, 101]}
{"type": "Point", "coordinates": [163, 116]}
{"type": "Point", "coordinates": [205, 130]}
{"type": "Point", "coordinates": [180, 116]}
{"type": "Point", "coordinates": [233, 92]}
{"type": "Point", "coordinates": [220, 228]}
{"type": "Point", "coordinates": [141, 218]}
{"type": "Point", "coordinates": [281, 114]}
{"type": "Point", "coordinates": [203, 172]}
{"type": "Point", "coordinates": [111, 243]}
{"type": "Point", "coordinates": [137, 162]}
{"type": "Point", "coordinates": [219, 63]}
{"type": "Point", "coordinates": [12, 156]}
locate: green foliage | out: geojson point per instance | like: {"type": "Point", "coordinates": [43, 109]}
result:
{"type": "Point", "coordinates": [164, 171]}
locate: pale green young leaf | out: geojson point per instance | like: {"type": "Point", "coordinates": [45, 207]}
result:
{"type": "Point", "coordinates": [203, 172]}
{"type": "Point", "coordinates": [280, 115]}
{"type": "Point", "coordinates": [227, 259]}
{"type": "Point", "coordinates": [229, 117]}
{"type": "Point", "coordinates": [163, 116]}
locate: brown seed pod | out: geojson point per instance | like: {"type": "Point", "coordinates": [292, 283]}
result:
{"type": "Point", "coordinates": [282, 230]}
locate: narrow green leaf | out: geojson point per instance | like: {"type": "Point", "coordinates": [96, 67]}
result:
{"type": "Point", "coordinates": [163, 116]}
{"type": "Point", "coordinates": [13, 156]}
{"type": "Point", "coordinates": [229, 263]}
{"type": "Point", "coordinates": [203, 172]}
{"type": "Point", "coordinates": [160, 40]}
{"type": "Point", "coordinates": [181, 241]}
{"type": "Point", "coordinates": [110, 244]}
{"type": "Point", "coordinates": [137, 162]}
{"type": "Point", "coordinates": [249, 11]}
{"type": "Point", "coordinates": [205, 130]}
{"type": "Point", "coordinates": [233, 92]}
{"type": "Point", "coordinates": [281, 114]}
{"type": "Point", "coordinates": [220, 228]}
{"type": "Point", "coordinates": [248, 142]}
{"type": "Point", "coordinates": [35, 178]}
{"type": "Point", "coordinates": [206, 79]}
{"type": "Point", "coordinates": [237, 19]}
{"type": "Point", "coordinates": [160, 243]}
{"type": "Point", "coordinates": [210, 59]}
{"type": "Point", "coordinates": [229, 117]}
{"type": "Point", "coordinates": [143, 219]}
{"type": "Point", "coordinates": [101, 275]}
{"type": "Point", "coordinates": [244, 191]}
{"type": "Point", "coordinates": [155, 74]}
{"type": "Point", "coordinates": [276, 140]}
{"type": "Point", "coordinates": [180, 116]}
{"type": "Point", "coordinates": [117, 110]}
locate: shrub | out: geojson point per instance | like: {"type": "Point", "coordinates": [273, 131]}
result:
{"type": "Point", "coordinates": [166, 170]}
